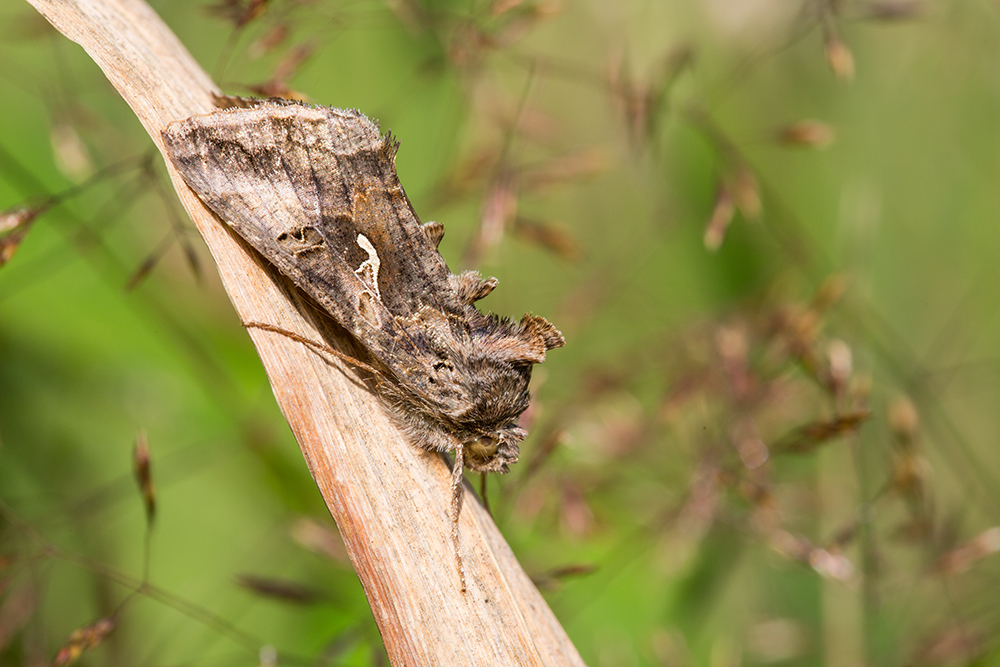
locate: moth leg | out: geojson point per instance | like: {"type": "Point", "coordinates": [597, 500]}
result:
{"type": "Point", "coordinates": [456, 507]}
{"type": "Point", "coordinates": [482, 493]}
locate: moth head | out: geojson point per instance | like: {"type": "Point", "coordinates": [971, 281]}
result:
{"type": "Point", "coordinates": [495, 375]}
{"type": "Point", "coordinates": [495, 395]}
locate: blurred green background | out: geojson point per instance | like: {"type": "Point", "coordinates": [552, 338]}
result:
{"type": "Point", "coordinates": [768, 230]}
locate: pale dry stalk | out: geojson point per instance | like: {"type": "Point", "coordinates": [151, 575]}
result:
{"type": "Point", "coordinates": [389, 499]}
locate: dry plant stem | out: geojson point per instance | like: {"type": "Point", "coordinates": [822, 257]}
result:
{"type": "Point", "coordinates": [389, 499]}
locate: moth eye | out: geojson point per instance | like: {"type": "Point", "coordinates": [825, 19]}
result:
{"type": "Point", "coordinates": [442, 365]}
{"type": "Point", "coordinates": [483, 447]}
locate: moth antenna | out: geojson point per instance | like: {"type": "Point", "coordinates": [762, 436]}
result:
{"type": "Point", "coordinates": [318, 347]}
{"type": "Point", "coordinates": [233, 102]}
{"type": "Point", "coordinates": [456, 507]}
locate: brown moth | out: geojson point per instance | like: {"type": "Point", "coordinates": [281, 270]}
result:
{"type": "Point", "coordinates": [314, 190]}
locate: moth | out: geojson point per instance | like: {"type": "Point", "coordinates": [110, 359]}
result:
{"type": "Point", "coordinates": [314, 190]}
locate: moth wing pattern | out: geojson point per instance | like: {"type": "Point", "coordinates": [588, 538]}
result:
{"type": "Point", "coordinates": [315, 191]}
{"type": "Point", "coordinates": [266, 172]}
